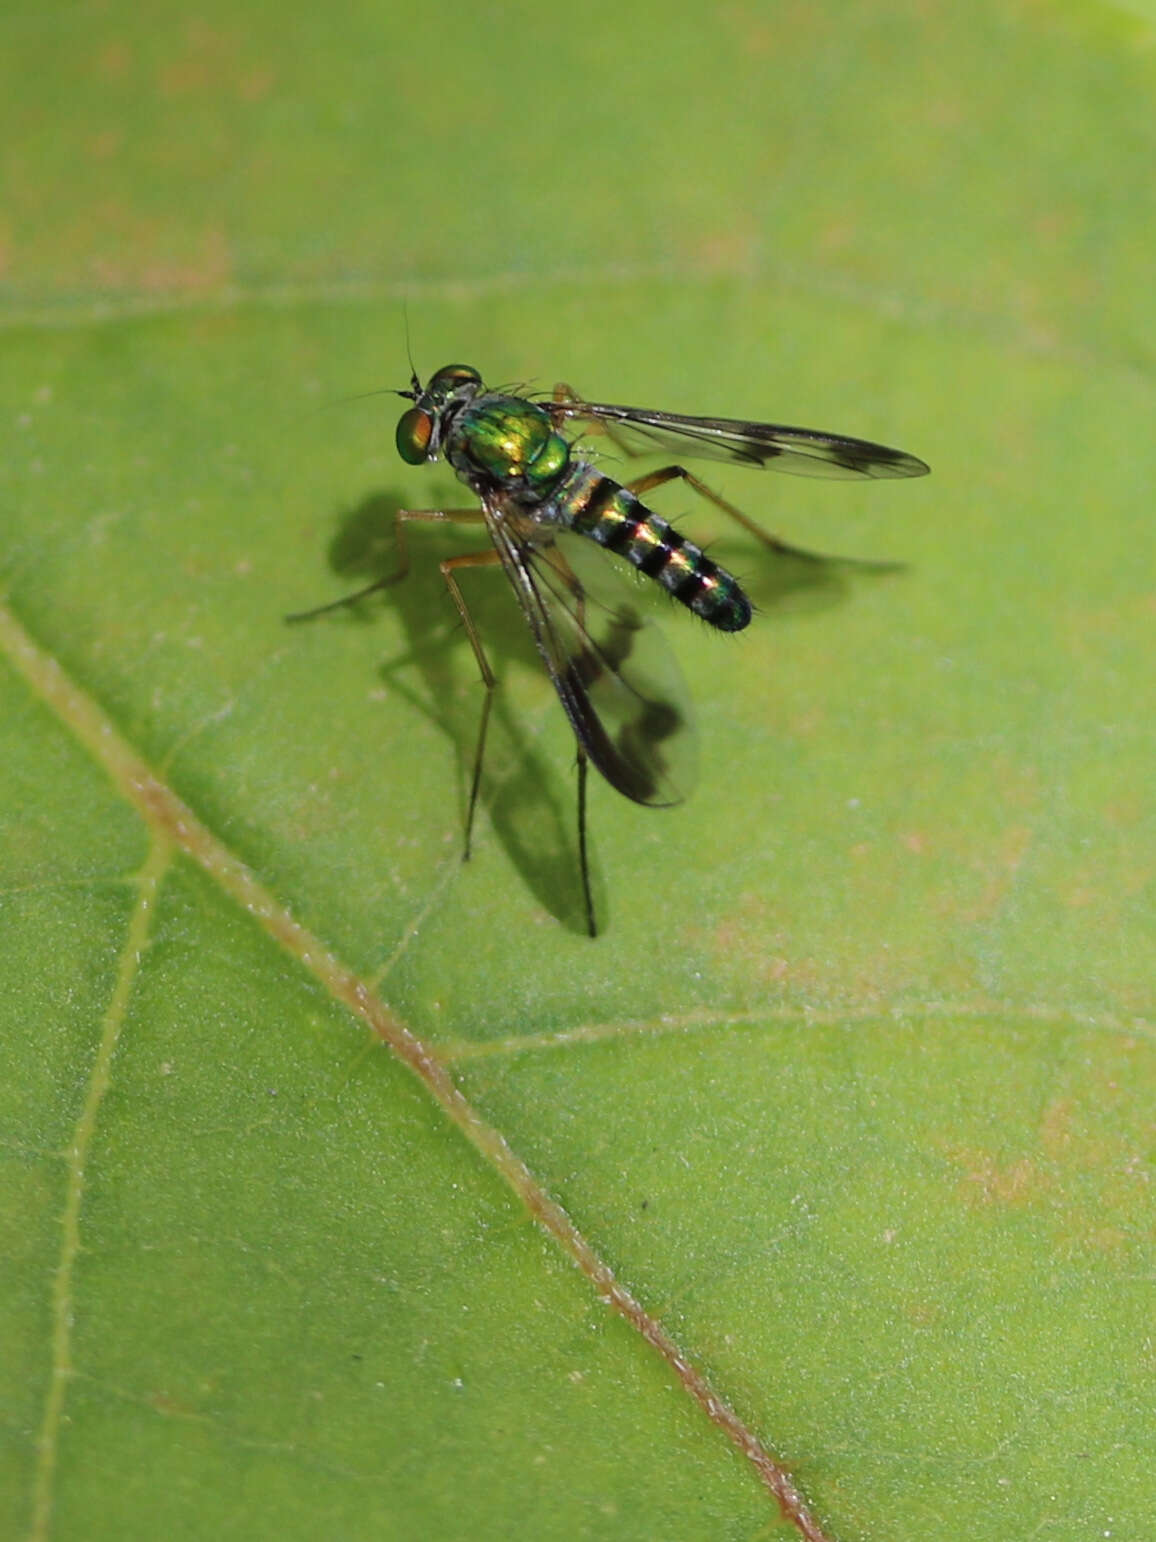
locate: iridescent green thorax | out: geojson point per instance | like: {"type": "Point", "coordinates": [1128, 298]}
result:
{"type": "Point", "coordinates": [507, 444]}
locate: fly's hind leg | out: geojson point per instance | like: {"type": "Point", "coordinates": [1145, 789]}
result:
{"type": "Point", "coordinates": [400, 520]}
{"type": "Point", "coordinates": [565, 395]}
{"type": "Point", "coordinates": [773, 543]}
{"type": "Point", "coordinates": [780, 547]}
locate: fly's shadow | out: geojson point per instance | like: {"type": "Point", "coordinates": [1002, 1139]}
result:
{"type": "Point", "coordinates": [529, 809]}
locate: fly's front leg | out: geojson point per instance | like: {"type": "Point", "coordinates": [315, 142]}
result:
{"type": "Point", "coordinates": [479, 559]}
{"type": "Point", "coordinates": [400, 519]}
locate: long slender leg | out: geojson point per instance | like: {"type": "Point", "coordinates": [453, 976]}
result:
{"type": "Point", "coordinates": [583, 859]}
{"type": "Point", "coordinates": [565, 394]}
{"type": "Point", "coordinates": [489, 558]}
{"type": "Point", "coordinates": [478, 559]}
{"type": "Point", "coordinates": [426, 516]}
{"type": "Point", "coordinates": [655, 479]}
{"type": "Point", "coordinates": [486, 558]}
{"type": "Point", "coordinates": [775, 543]}
{"type": "Point", "coordinates": [583, 767]}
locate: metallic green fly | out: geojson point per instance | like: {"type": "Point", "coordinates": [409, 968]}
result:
{"type": "Point", "coordinates": [615, 678]}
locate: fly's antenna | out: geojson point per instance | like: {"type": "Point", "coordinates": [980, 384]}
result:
{"type": "Point", "coordinates": [362, 396]}
{"type": "Point", "coordinates": [340, 401]}
{"type": "Point", "coordinates": [413, 380]}
{"type": "Point", "coordinates": [414, 383]}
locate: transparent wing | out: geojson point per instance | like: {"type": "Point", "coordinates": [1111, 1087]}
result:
{"type": "Point", "coordinates": [615, 676]}
{"type": "Point", "coordinates": [800, 451]}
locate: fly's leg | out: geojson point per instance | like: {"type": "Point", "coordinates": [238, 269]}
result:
{"type": "Point", "coordinates": [478, 559]}
{"type": "Point", "coordinates": [491, 557]}
{"type": "Point", "coordinates": [565, 394]}
{"type": "Point", "coordinates": [655, 479]}
{"type": "Point", "coordinates": [487, 558]}
{"type": "Point", "coordinates": [774, 543]}
{"type": "Point", "coordinates": [401, 518]}
{"type": "Point", "coordinates": [583, 860]}
{"type": "Point", "coordinates": [583, 766]}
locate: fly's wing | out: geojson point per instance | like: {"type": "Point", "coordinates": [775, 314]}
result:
{"type": "Point", "coordinates": [800, 451]}
{"type": "Point", "coordinates": [617, 679]}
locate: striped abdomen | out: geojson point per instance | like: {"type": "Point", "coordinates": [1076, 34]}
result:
{"type": "Point", "coordinates": [593, 505]}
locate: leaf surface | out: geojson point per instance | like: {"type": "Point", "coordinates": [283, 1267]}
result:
{"type": "Point", "coordinates": [855, 1092]}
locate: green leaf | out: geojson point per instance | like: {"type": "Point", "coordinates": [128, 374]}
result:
{"type": "Point", "coordinates": [852, 1100]}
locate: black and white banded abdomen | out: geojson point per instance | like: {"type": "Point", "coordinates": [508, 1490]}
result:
{"type": "Point", "coordinates": [595, 506]}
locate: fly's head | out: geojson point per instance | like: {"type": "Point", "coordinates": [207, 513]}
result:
{"type": "Point", "coordinates": [424, 426]}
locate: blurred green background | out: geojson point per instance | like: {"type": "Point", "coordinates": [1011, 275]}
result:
{"type": "Point", "coordinates": [855, 1091]}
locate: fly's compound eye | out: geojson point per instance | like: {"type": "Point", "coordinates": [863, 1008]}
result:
{"type": "Point", "coordinates": [414, 433]}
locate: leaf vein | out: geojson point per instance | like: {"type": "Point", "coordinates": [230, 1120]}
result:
{"type": "Point", "coordinates": [76, 1157]}
{"type": "Point", "coordinates": [174, 824]}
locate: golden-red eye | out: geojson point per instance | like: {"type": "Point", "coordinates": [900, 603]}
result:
{"type": "Point", "coordinates": [414, 433]}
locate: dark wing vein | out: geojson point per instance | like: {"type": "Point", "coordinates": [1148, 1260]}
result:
{"type": "Point", "coordinates": [800, 451]}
